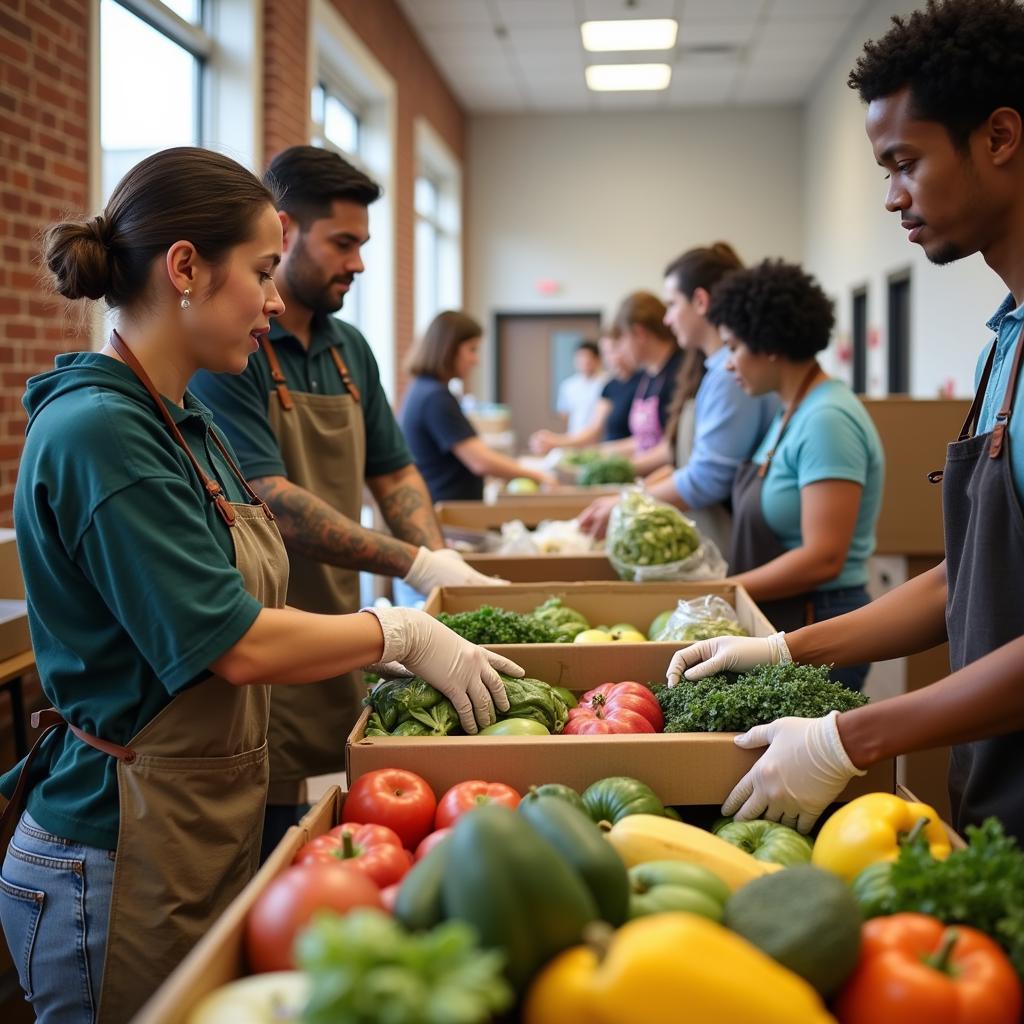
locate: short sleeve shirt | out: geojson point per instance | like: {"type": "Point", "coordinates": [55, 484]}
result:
{"type": "Point", "coordinates": [830, 437]}
{"type": "Point", "coordinates": [620, 393]}
{"type": "Point", "coordinates": [433, 425]}
{"type": "Point", "coordinates": [240, 403]}
{"type": "Point", "coordinates": [129, 572]}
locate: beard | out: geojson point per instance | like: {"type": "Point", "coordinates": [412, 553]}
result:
{"type": "Point", "coordinates": [947, 253]}
{"type": "Point", "coordinates": [307, 284]}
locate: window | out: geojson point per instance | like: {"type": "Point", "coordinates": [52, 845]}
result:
{"type": "Point", "coordinates": [899, 333]}
{"type": "Point", "coordinates": [336, 121]}
{"type": "Point", "coordinates": [859, 321]}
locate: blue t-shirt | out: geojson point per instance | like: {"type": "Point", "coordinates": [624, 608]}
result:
{"type": "Point", "coordinates": [1007, 324]}
{"type": "Point", "coordinates": [830, 437]}
{"type": "Point", "coordinates": [620, 393]}
{"type": "Point", "coordinates": [433, 425]}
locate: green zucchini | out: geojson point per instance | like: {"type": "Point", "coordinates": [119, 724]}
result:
{"type": "Point", "coordinates": [418, 904]}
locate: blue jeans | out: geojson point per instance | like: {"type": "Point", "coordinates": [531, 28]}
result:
{"type": "Point", "coordinates": [828, 604]}
{"type": "Point", "coordinates": [54, 905]}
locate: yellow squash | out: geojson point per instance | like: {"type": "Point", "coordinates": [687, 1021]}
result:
{"type": "Point", "coordinates": [870, 829]}
{"type": "Point", "coordinates": [667, 968]}
{"type": "Point", "coordinates": [640, 838]}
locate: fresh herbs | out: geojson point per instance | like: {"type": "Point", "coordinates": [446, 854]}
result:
{"type": "Point", "coordinates": [613, 469]}
{"type": "Point", "coordinates": [729, 703]}
{"type": "Point", "coordinates": [489, 625]}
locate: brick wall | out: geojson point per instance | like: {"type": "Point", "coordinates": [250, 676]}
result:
{"type": "Point", "coordinates": [43, 174]}
{"type": "Point", "coordinates": [285, 75]}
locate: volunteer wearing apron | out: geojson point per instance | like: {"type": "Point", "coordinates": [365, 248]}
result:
{"type": "Point", "coordinates": [156, 580]}
{"type": "Point", "coordinates": [957, 183]}
{"type": "Point", "coordinates": [312, 425]}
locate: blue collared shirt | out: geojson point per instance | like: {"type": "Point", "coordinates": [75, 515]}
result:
{"type": "Point", "coordinates": [1006, 324]}
{"type": "Point", "coordinates": [729, 425]}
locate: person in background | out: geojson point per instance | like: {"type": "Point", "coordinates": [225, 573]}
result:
{"type": "Point", "coordinates": [312, 425]}
{"type": "Point", "coordinates": [445, 446]}
{"type": "Point", "coordinates": [156, 584]}
{"type": "Point", "coordinates": [716, 425]}
{"type": "Point", "coordinates": [610, 420]}
{"type": "Point", "coordinates": [579, 393]}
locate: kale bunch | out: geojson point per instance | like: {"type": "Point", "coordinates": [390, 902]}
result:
{"type": "Point", "coordinates": [489, 625]}
{"type": "Point", "coordinates": [730, 703]}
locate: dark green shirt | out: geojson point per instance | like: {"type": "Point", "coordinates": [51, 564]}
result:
{"type": "Point", "coordinates": [129, 574]}
{"type": "Point", "coordinates": [239, 403]}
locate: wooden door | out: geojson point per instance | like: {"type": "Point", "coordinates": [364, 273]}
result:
{"type": "Point", "coordinates": [534, 355]}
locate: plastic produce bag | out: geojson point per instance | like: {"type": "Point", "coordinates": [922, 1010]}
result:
{"type": "Point", "coordinates": [649, 540]}
{"type": "Point", "coordinates": [563, 537]}
{"type": "Point", "coordinates": [700, 619]}
{"type": "Point", "coordinates": [516, 539]}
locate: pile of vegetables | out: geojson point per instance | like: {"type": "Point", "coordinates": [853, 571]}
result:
{"type": "Point", "coordinates": [611, 469]}
{"type": "Point", "coordinates": [644, 532]}
{"type": "Point", "coordinates": [729, 703]}
{"type": "Point", "coordinates": [564, 622]}
{"type": "Point", "coordinates": [487, 625]}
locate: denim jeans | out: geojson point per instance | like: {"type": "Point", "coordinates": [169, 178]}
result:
{"type": "Point", "coordinates": [54, 905]}
{"type": "Point", "coordinates": [828, 604]}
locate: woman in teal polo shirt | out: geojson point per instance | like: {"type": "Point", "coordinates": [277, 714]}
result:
{"type": "Point", "coordinates": [805, 506]}
{"type": "Point", "coordinates": [155, 581]}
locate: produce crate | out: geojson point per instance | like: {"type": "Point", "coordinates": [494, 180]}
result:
{"type": "Point", "coordinates": [545, 568]}
{"type": "Point", "coordinates": [532, 510]}
{"type": "Point", "coordinates": [682, 768]}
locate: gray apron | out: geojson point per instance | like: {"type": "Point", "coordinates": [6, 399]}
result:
{"type": "Point", "coordinates": [192, 783]}
{"type": "Point", "coordinates": [984, 538]}
{"type": "Point", "coordinates": [754, 542]}
{"type": "Point", "coordinates": [323, 443]}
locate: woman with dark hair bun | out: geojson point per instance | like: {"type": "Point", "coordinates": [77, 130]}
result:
{"type": "Point", "coordinates": [156, 583]}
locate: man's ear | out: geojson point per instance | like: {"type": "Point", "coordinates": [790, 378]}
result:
{"type": "Point", "coordinates": [701, 301]}
{"type": "Point", "coordinates": [289, 229]}
{"type": "Point", "coordinates": [1003, 132]}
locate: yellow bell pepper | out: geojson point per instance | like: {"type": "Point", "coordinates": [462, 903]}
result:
{"type": "Point", "coordinates": [666, 968]}
{"type": "Point", "coordinates": [872, 828]}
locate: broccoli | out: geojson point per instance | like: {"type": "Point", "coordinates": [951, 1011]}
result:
{"type": "Point", "coordinates": [489, 625]}
{"type": "Point", "coordinates": [727, 703]}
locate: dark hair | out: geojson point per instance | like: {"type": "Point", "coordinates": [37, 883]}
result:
{"type": "Point", "coordinates": [589, 346]}
{"type": "Point", "coordinates": [309, 179]}
{"type": "Point", "coordinates": [643, 309]}
{"type": "Point", "coordinates": [775, 308]}
{"type": "Point", "coordinates": [181, 193]}
{"type": "Point", "coordinates": [961, 59]}
{"type": "Point", "coordinates": [691, 373]}
{"type": "Point", "coordinates": [703, 267]}
{"type": "Point", "coordinates": [434, 354]}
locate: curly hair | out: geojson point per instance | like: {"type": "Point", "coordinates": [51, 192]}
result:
{"type": "Point", "coordinates": [961, 59]}
{"type": "Point", "coordinates": [775, 308]}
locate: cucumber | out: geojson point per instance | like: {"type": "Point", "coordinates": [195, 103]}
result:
{"type": "Point", "coordinates": [418, 904]}
{"type": "Point", "coordinates": [583, 845]}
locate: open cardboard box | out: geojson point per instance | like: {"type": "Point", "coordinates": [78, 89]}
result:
{"type": "Point", "coordinates": [220, 956]}
{"type": "Point", "coordinates": [682, 768]}
{"type": "Point", "coordinates": [478, 515]}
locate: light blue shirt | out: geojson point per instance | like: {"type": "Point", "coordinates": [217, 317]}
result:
{"type": "Point", "coordinates": [830, 437]}
{"type": "Point", "coordinates": [728, 425]}
{"type": "Point", "coordinates": [1007, 324]}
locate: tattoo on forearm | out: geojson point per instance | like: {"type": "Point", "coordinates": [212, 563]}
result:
{"type": "Point", "coordinates": [405, 504]}
{"type": "Point", "coordinates": [315, 529]}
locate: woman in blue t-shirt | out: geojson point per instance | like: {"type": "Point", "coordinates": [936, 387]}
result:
{"type": "Point", "coordinates": [449, 454]}
{"type": "Point", "coordinates": [805, 507]}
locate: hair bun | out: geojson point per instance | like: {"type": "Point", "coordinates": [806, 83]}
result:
{"type": "Point", "coordinates": [77, 253]}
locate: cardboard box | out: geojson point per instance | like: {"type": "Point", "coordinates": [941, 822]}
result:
{"type": "Point", "coordinates": [544, 568]}
{"type": "Point", "coordinates": [682, 768]}
{"type": "Point", "coordinates": [14, 636]}
{"type": "Point", "coordinates": [478, 515]}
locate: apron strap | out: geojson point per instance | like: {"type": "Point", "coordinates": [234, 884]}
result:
{"type": "Point", "coordinates": [346, 379]}
{"type": "Point", "coordinates": [254, 498]}
{"type": "Point", "coordinates": [212, 487]}
{"type": "Point", "coordinates": [805, 386]}
{"type": "Point", "coordinates": [1003, 416]}
{"type": "Point", "coordinates": [280, 383]}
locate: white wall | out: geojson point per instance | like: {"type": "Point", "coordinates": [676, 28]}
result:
{"type": "Point", "coordinates": [850, 239]}
{"type": "Point", "coordinates": [600, 203]}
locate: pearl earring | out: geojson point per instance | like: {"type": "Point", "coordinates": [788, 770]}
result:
{"type": "Point", "coordinates": [185, 303]}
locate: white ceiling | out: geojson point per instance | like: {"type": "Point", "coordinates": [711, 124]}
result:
{"type": "Point", "coordinates": [526, 55]}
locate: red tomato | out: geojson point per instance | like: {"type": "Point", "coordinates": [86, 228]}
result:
{"type": "Point", "coordinates": [588, 722]}
{"type": "Point", "coordinates": [291, 899]}
{"type": "Point", "coordinates": [388, 896]}
{"type": "Point", "coordinates": [393, 797]}
{"type": "Point", "coordinates": [430, 842]}
{"type": "Point", "coordinates": [372, 849]}
{"type": "Point", "coordinates": [467, 795]}
{"type": "Point", "coordinates": [607, 700]}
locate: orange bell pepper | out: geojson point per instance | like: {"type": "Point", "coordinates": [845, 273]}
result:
{"type": "Point", "coordinates": [912, 967]}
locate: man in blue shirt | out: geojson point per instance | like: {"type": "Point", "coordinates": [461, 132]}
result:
{"type": "Point", "coordinates": [945, 118]}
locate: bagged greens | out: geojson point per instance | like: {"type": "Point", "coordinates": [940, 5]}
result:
{"type": "Point", "coordinates": [701, 619]}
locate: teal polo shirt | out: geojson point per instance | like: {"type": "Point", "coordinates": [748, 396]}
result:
{"type": "Point", "coordinates": [129, 574]}
{"type": "Point", "coordinates": [830, 437]}
{"type": "Point", "coordinates": [1006, 323]}
{"type": "Point", "coordinates": [239, 403]}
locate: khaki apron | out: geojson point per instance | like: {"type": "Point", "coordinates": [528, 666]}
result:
{"type": "Point", "coordinates": [323, 443]}
{"type": "Point", "coordinates": [191, 784]}
{"type": "Point", "coordinates": [713, 522]}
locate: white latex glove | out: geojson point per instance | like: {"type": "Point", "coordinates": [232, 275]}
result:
{"type": "Point", "coordinates": [445, 568]}
{"type": "Point", "coordinates": [466, 674]}
{"type": "Point", "coordinates": [803, 770]}
{"type": "Point", "coordinates": [727, 654]}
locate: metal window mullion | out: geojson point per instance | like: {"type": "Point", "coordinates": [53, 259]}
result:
{"type": "Point", "coordinates": [188, 36]}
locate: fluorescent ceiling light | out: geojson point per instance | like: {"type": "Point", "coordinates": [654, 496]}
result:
{"type": "Point", "coordinates": [643, 34]}
{"type": "Point", "coordinates": [627, 77]}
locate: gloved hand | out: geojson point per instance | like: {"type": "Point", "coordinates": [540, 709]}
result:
{"type": "Point", "coordinates": [445, 568]}
{"type": "Point", "coordinates": [727, 654]}
{"type": "Point", "coordinates": [466, 674]}
{"type": "Point", "coordinates": [803, 770]}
